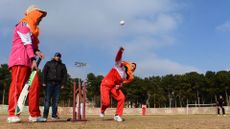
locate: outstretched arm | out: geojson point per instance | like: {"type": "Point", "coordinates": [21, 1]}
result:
{"type": "Point", "coordinates": [119, 55]}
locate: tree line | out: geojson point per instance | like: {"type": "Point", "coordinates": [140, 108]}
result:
{"type": "Point", "coordinates": [155, 91]}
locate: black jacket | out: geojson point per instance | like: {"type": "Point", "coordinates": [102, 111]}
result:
{"type": "Point", "coordinates": [54, 72]}
{"type": "Point", "coordinates": [220, 102]}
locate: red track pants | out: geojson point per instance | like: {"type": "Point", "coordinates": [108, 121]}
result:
{"type": "Point", "coordinates": [117, 95]}
{"type": "Point", "coordinates": [20, 75]}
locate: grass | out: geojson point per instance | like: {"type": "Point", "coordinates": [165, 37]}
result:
{"type": "Point", "coordinates": [131, 122]}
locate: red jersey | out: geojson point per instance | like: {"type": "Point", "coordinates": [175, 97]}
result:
{"type": "Point", "coordinates": [117, 75]}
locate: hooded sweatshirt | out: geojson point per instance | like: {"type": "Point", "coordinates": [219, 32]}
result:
{"type": "Point", "coordinates": [25, 40]}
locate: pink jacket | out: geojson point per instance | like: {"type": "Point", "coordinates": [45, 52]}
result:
{"type": "Point", "coordinates": [22, 48]}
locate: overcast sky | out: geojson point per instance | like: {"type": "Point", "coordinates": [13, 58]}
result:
{"type": "Point", "coordinates": [161, 36]}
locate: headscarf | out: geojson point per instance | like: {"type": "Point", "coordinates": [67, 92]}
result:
{"type": "Point", "coordinates": [32, 18]}
{"type": "Point", "coordinates": [129, 72]}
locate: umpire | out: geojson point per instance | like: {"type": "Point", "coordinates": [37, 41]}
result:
{"type": "Point", "coordinates": [54, 76]}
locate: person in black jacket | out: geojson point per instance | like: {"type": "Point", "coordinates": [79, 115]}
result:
{"type": "Point", "coordinates": [54, 76]}
{"type": "Point", "coordinates": [220, 105]}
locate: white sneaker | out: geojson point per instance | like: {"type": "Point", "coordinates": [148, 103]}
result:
{"type": "Point", "coordinates": [117, 118]}
{"type": "Point", "coordinates": [41, 119]}
{"type": "Point", "coordinates": [13, 119]}
{"type": "Point", "coordinates": [55, 118]}
{"type": "Point", "coordinates": [102, 115]}
{"type": "Point", "coordinates": [37, 119]}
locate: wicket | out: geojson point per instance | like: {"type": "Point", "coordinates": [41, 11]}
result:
{"type": "Point", "coordinates": [79, 100]}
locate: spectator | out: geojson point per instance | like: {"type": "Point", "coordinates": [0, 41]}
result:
{"type": "Point", "coordinates": [54, 77]}
{"type": "Point", "coordinates": [220, 105]}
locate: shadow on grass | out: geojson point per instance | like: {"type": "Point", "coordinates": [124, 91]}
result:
{"type": "Point", "coordinates": [108, 119]}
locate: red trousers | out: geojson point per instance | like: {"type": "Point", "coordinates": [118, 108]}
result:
{"type": "Point", "coordinates": [117, 95]}
{"type": "Point", "coordinates": [19, 75]}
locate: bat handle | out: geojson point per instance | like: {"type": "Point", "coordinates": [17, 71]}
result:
{"type": "Point", "coordinates": [38, 61]}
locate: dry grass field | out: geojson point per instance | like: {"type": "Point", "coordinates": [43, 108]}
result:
{"type": "Point", "coordinates": [131, 122]}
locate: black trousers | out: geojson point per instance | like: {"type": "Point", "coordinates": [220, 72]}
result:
{"type": "Point", "coordinates": [218, 110]}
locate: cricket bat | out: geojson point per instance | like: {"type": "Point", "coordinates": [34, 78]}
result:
{"type": "Point", "coordinates": [22, 98]}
